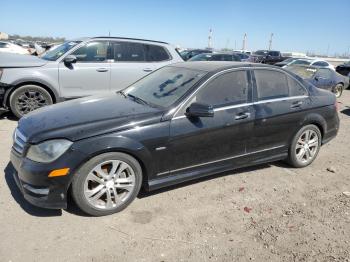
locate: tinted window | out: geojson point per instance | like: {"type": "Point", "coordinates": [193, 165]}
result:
{"type": "Point", "coordinates": [301, 62]}
{"type": "Point", "coordinates": [295, 88]}
{"type": "Point", "coordinates": [165, 86]}
{"type": "Point", "coordinates": [3, 45]}
{"type": "Point", "coordinates": [156, 53]}
{"type": "Point", "coordinates": [274, 53]}
{"type": "Point", "coordinates": [324, 73]}
{"type": "Point", "coordinates": [236, 58]}
{"type": "Point", "coordinates": [229, 88]}
{"type": "Point", "coordinates": [92, 52]}
{"type": "Point", "coordinates": [320, 63]}
{"type": "Point", "coordinates": [128, 52]}
{"type": "Point", "coordinates": [271, 84]}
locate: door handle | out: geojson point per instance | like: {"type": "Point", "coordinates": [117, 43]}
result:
{"type": "Point", "coordinates": [296, 104]}
{"type": "Point", "coordinates": [102, 69]}
{"type": "Point", "coordinates": [242, 116]}
{"type": "Point", "coordinates": [148, 69]}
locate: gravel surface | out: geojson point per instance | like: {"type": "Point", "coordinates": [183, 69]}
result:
{"type": "Point", "coordinates": [264, 213]}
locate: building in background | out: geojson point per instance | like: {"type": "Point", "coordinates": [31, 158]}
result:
{"type": "Point", "coordinates": [4, 36]}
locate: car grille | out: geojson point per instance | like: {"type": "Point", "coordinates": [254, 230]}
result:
{"type": "Point", "coordinates": [19, 141]}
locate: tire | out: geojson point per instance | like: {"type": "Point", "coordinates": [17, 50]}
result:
{"type": "Point", "coordinates": [298, 147]}
{"type": "Point", "coordinates": [338, 90]}
{"type": "Point", "coordinates": [97, 195]}
{"type": "Point", "coordinates": [27, 98]}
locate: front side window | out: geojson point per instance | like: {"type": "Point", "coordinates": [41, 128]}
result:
{"type": "Point", "coordinates": [165, 86]}
{"type": "Point", "coordinates": [92, 52]}
{"type": "Point", "coordinates": [155, 53]}
{"type": "Point", "coordinates": [226, 89]}
{"type": "Point", "coordinates": [128, 52]}
{"type": "Point", "coordinates": [271, 84]}
{"type": "Point", "coordinates": [324, 73]}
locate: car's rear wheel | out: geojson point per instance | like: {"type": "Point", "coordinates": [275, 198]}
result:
{"type": "Point", "coordinates": [305, 146]}
{"type": "Point", "coordinates": [338, 90]}
{"type": "Point", "coordinates": [27, 98]}
{"type": "Point", "coordinates": [107, 183]}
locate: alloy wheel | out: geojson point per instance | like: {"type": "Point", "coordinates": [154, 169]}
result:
{"type": "Point", "coordinates": [109, 184]}
{"type": "Point", "coordinates": [30, 100]}
{"type": "Point", "coordinates": [307, 146]}
{"type": "Point", "coordinates": [338, 89]}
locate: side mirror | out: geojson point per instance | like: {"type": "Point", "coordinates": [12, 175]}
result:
{"type": "Point", "coordinates": [70, 59]}
{"type": "Point", "coordinates": [200, 110]}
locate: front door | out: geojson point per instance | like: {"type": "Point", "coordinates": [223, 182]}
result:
{"type": "Point", "coordinates": [218, 141]}
{"type": "Point", "coordinates": [90, 75]}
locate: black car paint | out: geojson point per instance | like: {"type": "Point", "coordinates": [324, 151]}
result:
{"type": "Point", "coordinates": [344, 69]}
{"type": "Point", "coordinates": [270, 58]}
{"type": "Point", "coordinates": [170, 149]}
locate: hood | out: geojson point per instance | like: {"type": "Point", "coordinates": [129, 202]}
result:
{"type": "Point", "coordinates": [8, 60]}
{"type": "Point", "coordinates": [86, 117]}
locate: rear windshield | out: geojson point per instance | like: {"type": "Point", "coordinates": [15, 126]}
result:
{"type": "Point", "coordinates": [303, 72]}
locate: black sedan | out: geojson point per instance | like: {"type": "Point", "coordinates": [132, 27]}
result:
{"type": "Point", "coordinates": [344, 69]}
{"type": "Point", "coordinates": [324, 78]}
{"type": "Point", "coordinates": [216, 57]}
{"type": "Point", "coordinates": [181, 122]}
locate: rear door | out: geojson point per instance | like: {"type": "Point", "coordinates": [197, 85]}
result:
{"type": "Point", "coordinates": [279, 103]}
{"type": "Point", "coordinates": [90, 75]}
{"type": "Point", "coordinates": [133, 60]}
{"type": "Point", "coordinates": [218, 141]}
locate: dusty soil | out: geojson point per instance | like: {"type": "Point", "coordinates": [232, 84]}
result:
{"type": "Point", "coordinates": [265, 213]}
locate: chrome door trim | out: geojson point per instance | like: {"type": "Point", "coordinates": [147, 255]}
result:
{"type": "Point", "coordinates": [219, 160]}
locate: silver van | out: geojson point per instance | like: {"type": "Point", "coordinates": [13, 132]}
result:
{"type": "Point", "coordinates": [78, 68]}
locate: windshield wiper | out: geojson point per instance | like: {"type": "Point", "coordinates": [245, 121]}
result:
{"type": "Point", "coordinates": [122, 93]}
{"type": "Point", "coordinates": [139, 100]}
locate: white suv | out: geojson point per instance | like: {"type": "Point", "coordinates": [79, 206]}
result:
{"type": "Point", "coordinates": [78, 68]}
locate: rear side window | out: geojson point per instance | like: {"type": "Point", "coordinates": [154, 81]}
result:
{"type": "Point", "coordinates": [320, 63]}
{"type": "Point", "coordinates": [128, 52]}
{"type": "Point", "coordinates": [228, 88]}
{"type": "Point", "coordinates": [324, 73]}
{"type": "Point", "coordinates": [295, 88]}
{"type": "Point", "coordinates": [156, 53]}
{"type": "Point", "coordinates": [271, 84]}
{"type": "Point", "coordinates": [92, 52]}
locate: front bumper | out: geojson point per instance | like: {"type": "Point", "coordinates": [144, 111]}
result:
{"type": "Point", "coordinates": [39, 189]}
{"type": "Point", "coordinates": [5, 89]}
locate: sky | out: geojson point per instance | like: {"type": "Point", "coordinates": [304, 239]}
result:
{"type": "Point", "coordinates": [319, 26]}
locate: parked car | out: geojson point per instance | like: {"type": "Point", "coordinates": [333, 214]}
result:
{"type": "Point", "coordinates": [188, 54]}
{"type": "Point", "coordinates": [311, 62]}
{"type": "Point", "coordinates": [216, 57]}
{"type": "Point", "coordinates": [323, 78]}
{"type": "Point", "coordinates": [286, 61]}
{"type": "Point", "coordinates": [267, 57]}
{"type": "Point", "coordinates": [344, 69]}
{"type": "Point", "coordinates": [79, 68]}
{"type": "Point", "coordinates": [182, 122]}
{"type": "Point", "coordinates": [243, 56]}
{"type": "Point", "coordinates": [7, 47]}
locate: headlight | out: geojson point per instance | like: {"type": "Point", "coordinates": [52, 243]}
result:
{"type": "Point", "coordinates": [48, 151]}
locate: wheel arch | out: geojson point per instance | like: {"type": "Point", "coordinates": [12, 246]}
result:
{"type": "Point", "coordinates": [53, 93]}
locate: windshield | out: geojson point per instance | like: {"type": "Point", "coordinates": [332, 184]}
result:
{"type": "Point", "coordinates": [54, 54]}
{"type": "Point", "coordinates": [303, 72]}
{"type": "Point", "coordinates": [201, 57]}
{"type": "Point", "coordinates": [165, 86]}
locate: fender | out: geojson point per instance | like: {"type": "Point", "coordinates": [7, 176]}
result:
{"type": "Point", "coordinates": [116, 143]}
{"type": "Point", "coordinates": [317, 119]}
{"type": "Point", "coordinates": [30, 80]}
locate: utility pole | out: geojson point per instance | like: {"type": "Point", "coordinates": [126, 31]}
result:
{"type": "Point", "coordinates": [210, 38]}
{"type": "Point", "coordinates": [244, 45]}
{"type": "Point", "coordinates": [270, 42]}
{"type": "Point", "coordinates": [109, 33]}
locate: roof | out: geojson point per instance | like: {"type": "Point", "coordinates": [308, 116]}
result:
{"type": "Point", "coordinates": [210, 66]}
{"type": "Point", "coordinates": [127, 38]}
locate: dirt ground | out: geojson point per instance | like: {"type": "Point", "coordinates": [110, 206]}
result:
{"type": "Point", "coordinates": [265, 213]}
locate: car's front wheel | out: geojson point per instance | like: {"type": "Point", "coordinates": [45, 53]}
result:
{"type": "Point", "coordinates": [27, 98]}
{"type": "Point", "coordinates": [305, 146]}
{"type": "Point", "coordinates": [107, 183]}
{"type": "Point", "coordinates": [338, 90]}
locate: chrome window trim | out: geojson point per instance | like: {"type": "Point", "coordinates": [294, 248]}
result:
{"type": "Point", "coordinates": [249, 104]}
{"type": "Point", "coordinates": [219, 160]}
